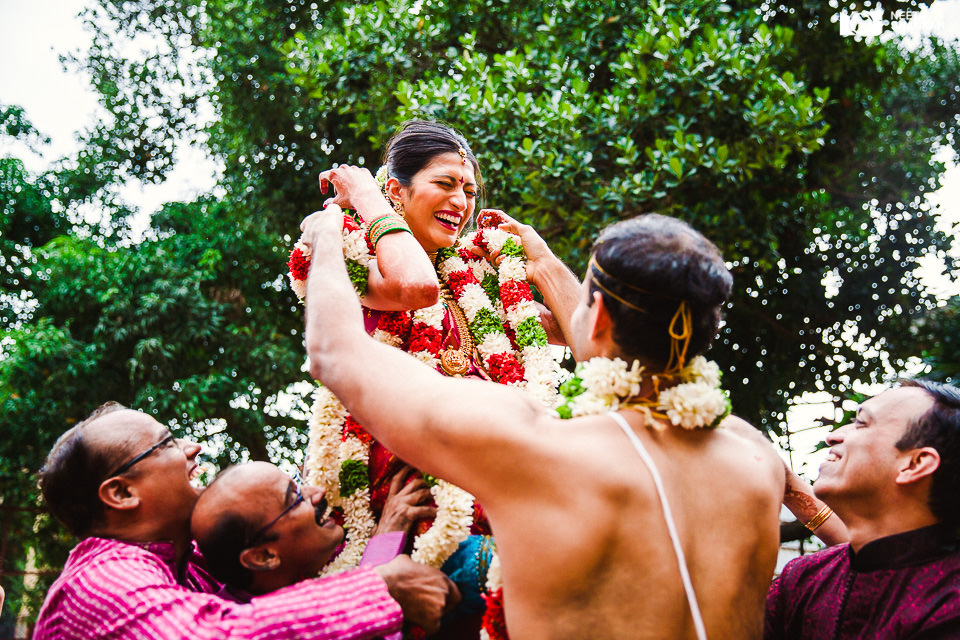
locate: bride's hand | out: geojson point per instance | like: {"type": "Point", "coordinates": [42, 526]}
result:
{"type": "Point", "coordinates": [351, 184]}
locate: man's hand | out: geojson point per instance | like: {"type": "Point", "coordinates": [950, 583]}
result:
{"type": "Point", "coordinates": [425, 594]}
{"type": "Point", "coordinates": [323, 228]}
{"type": "Point", "coordinates": [406, 503]}
{"type": "Point", "coordinates": [533, 245]}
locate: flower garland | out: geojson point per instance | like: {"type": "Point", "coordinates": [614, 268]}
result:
{"type": "Point", "coordinates": [600, 385]}
{"type": "Point", "coordinates": [338, 447]}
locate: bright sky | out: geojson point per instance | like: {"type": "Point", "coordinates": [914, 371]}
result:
{"type": "Point", "coordinates": [34, 33]}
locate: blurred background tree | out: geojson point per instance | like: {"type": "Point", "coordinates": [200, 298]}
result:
{"type": "Point", "coordinates": [805, 155]}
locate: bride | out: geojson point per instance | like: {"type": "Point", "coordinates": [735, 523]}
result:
{"type": "Point", "coordinates": [448, 306]}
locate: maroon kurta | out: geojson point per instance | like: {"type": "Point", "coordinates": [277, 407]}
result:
{"type": "Point", "coordinates": [901, 586]}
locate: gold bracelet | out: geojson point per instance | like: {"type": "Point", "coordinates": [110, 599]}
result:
{"type": "Point", "coordinates": [819, 519]}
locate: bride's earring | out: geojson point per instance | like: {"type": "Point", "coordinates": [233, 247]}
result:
{"type": "Point", "coordinates": [398, 207]}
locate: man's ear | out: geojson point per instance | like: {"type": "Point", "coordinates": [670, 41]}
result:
{"type": "Point", "coordinates": [600, 322]}
{"type": "Point", "coordinates": [918, 464]}
{"type": "Point", "coordinates": [261, 558]}
{"type": "Point", "coordinates": [118, 493]}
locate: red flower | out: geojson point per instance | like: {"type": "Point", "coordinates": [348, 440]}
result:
{"type": "Point", "coordinates": [491, 220]}
{"type": "Point", "coordinates": [505, 368]}
{"type": "Point", "coordinates": [349, 224]}
{"type": "Point", "coordinates": [351, 426]}
{"type": "Point", "coordinates": [423, 337]}
{"type": "Point", "coordinates": [457, 280]}
{"type": "Point", "coordinates": [512, 335]}
{"type": "Point", "coordinates": [481, 241]}
{"type": "Point", "coordinates": [493, 621]}
{"type": "Point", "coordinates": [395, 322]}
{"type": "Point", "coordinates": [298, 265]}
{"type": "Point", "coordinates": [513, 291]}
{"type": "Point", "coordinates": [468, 256]}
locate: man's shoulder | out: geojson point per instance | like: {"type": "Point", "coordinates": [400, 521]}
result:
{"type": "Point", "coordinates": [824, 560]}
{"type": "Point", "coordinates": [95, 558]}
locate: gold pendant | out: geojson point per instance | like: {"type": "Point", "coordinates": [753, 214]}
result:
{"type": "Point", "coordinates": [454, 362]}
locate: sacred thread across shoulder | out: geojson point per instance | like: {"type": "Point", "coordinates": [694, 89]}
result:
{"type": "Point", "coordinates": [671, 526]}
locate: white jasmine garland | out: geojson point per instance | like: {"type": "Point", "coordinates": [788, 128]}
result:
{"type": "Point", "coordinates": [601, 385]}
{"type": "Point", "coordinates": [494, 343]}
{"type": "Point", "coordinates": [693, 405]}
{"type": "Point", "coordinates": [604, 377]}
{"type": "Point", "coordinates": [450, 265]}
{"type": "Point", "coordinates": [449, 528]}
{"type": "Point", "coordinates": [702, 370]}
{"type": "Point", "coordinates": [432, 315]}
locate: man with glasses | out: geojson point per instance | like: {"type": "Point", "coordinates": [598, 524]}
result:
{"type": "Point", "coordinates": [260, 530]}
{"type": "Point", "coordinates": [121, 482]}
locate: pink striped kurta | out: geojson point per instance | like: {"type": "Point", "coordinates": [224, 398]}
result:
{"type": "Point", "coordinates": [115, 589]}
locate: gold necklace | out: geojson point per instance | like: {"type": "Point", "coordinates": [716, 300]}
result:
{"type": "Point", "coordinates": [456, 362]}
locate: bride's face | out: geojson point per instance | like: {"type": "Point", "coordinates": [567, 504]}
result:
{"type": "Point", "coordinates": [440, 200]}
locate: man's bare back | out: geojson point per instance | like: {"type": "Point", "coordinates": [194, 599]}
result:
{"type": "Point", "coordinates": [586, 553]}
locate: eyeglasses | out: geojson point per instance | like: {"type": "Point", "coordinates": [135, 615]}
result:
{"type": "Point", "coordinates": [126, 465]}
{"type": "Point", "coordinates": [297, 481]}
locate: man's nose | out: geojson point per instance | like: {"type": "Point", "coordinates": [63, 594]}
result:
{"type": "Point", "coordinates": [189, 447]}
{"type": "Point", "coordinates": [835, 437]}
{"type": "Point", "coordinates": [312, 493]}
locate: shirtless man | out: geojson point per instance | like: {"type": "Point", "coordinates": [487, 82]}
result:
{"type": "Point", "coordinates": [582, 536]}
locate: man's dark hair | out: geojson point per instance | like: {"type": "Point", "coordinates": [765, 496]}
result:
{"type": "Point", "coordinates": [939, 428]}
{"type": "Point", "coordinates": [71, 476]}
{"type": "Point", "coordinates": [644, 268]}
{"type": "Point", "coordinates": [417, 143]}
{"type": "Point", "coordinates": [222, 544]}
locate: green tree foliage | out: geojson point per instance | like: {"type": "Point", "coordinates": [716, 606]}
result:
{"type": "Point", "coordinates": [937, 336]}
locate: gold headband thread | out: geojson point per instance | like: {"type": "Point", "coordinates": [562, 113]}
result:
{"type": "Point", "coordinates": [607, 291]}
{"type": "Point", "coordinates": [593, 261]}
{"type": "Point", "coordinates": [679, 337]}
{"type": "Point", "coordinates": [679, 340]}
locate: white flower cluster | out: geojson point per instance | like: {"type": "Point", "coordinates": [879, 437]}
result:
{"type": "Point", "coordinates": [322, 462]}
{"type": "Point", "coordinates": [697, 402]}
{"type": "Point", "coordinates": [449, 528]}
{"type": "Point", "coordinates": [605, 382]}
{"type": "Point", "coordinates": [693, 405]}
{"type": "Point", "coordinates": [355, 247]}
{"type": "Point", "coordinates": [702, 370]}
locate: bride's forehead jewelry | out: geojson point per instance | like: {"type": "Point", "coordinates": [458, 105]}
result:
{"type": "Point", "coordinates": [463, 155]}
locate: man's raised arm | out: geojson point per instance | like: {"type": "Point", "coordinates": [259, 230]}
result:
{"type": "Point", "coordinates": [461, 430]}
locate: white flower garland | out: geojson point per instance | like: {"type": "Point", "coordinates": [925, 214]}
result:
{"type": "Point", "coordinates": [603, 384]}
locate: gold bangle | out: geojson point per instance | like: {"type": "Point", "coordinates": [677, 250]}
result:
{"type": "Point", "coordinates": [819, 519]}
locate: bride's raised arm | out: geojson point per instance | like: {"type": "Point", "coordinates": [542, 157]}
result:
{"type": "Point", "coordinates": [401, 276]}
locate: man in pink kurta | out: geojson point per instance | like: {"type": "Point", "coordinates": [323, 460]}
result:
{"type": "Point", "coordinates": [120, 481]}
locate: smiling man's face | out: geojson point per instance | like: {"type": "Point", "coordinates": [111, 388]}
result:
{"type": "Point", "coordinates": [864, 460]}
